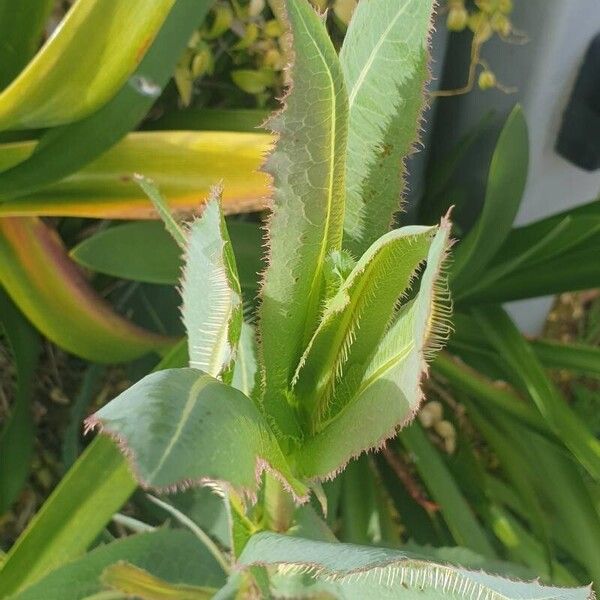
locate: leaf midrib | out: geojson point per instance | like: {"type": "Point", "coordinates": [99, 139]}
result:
{"type": "Point", "coordinates": [190, 403]}
{"type": "Point", "coordinates": [330, 187]}
{"type": "Point", "coordinates": [366, 69]}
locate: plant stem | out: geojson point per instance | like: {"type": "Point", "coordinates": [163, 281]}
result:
{"type": "Point", "coordinates": [195, 529]}
{"type": "Point", "coordinates": [279, 505]}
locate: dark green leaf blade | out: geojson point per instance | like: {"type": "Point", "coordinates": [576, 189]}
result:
{"type": "Point", "coordinates": [521, 358]}
{"type": "Point", "coordinates": [464, 526]}
{"type": "Point", "coordinates": [505, 186]}
{"type": "Point", "coordinates": [17, 432]}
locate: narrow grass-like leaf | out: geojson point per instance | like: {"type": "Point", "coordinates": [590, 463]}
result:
{"type": "Point", "coordinates": [385, 63]}
{"type": "Point", "coordinates": [53, 294]}
{"type": "Point", "coordinates": [355, 320]}
{"type": "Point", "coordinates": [21, 27]}
{"type": "Point", "coordinates": [505, 186]}
{"type": "Point", "coordinates": [173, 556]}
{"type": "Point", "coordinates": [212, 301]}
{"type": "Point", "coordinates": [182, 164]}
{"type": "Point", "coordinates": [556, 480]}
{"type": "Point", "coordinates": [71, 519]}
{"type": "Point", "coordinates": [79, 508]}
{"type": "Point", "coordinates": [464, 526]}
{"type": "Point", "coordinates": [210, 119]}
{"type": "Point", "coordinates": [17, 436]}
{"type": "Point", "coordinates": [308, 168]}
{"type": "Point", "coordinates": [583, 223]}
{"type": "Point", "coordinates": [162, 208]}
{"type": "Point", "coordinates": [61, 151]}
{"type": "Point", "coordinates": [389, 391]}
{"type": "Point", "coordinates": [469, 381]}
{"type": "Point", "coordinates": [521, 358]}
{"type": "Point", "coordinates": [353, 572]}
{"type": "Point", "coordinates": [578, 269]}
{"type": "Point", "coordinates": [172, 424]}
{"type": "Point", "coordinates": [580, 358]}
{"type": "Point", "coordinates": [113, 34]}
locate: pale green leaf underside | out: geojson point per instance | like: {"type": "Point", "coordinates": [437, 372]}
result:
{"type": "Point", "coordinates": [349, 572]}
{"type": "Point", "coordinates": [212, 302]}
{"type": "Point", "coordinates": [244, 372]}
{"type": "Point", "coordinates": [355, 319]}
{"type": "Point", "coordinates": [181, 427]}
{"type": "Point", "coordinates": [64, 81]}
{"type": "Point", "coordinates": [389, 391]}
{"type": "Point", "coordinates": [308, 166]}
{"type": "Point", "coordinates": [384, 59]}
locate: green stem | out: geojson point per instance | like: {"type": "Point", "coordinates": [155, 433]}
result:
{"type": "Point", "coordinates": [279, 505]}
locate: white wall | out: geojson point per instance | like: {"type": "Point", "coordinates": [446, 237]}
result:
{"type": "Point", "coordinates": [544, 71]}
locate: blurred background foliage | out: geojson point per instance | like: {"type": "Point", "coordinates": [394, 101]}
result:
{"type": "Point", "coordinates": [503, 459]}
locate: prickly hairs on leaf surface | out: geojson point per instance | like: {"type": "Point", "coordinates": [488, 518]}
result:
{"type": "Point", "coordinates": [323, 317]}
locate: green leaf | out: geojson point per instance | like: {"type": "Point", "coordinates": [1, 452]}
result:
{"type": "Point", "coordinates": [556, 481]}
{"type": "Point", "coordinates": [210, 289]}
{"type": "Point", "coordinates": [133, 581]}
{"type": "Point", "coordinates": [471, 560]}
{"type": "Point", "coordinates": [308, 168]}
{"type": "Point", "coordinates": [354, 322]}
{"type": "Point", "coordinates": [17, 436]}
{"type": "Point", "coordinates": [575, 357]}
{"type": "Point", "coordinates": [184, 165]}
{"type": "Point", "coordinates": [21, 27]}
{"type": "Point", "coordinates": [349, 572]}
{"type": "Point", "coordinates": [162, 208]}
{"type": "Point", "coordinates": [123, 251]}
{"type": "Point", "coordinates": [583, 223]}
{"type": "Point", "coordinates": [464, 526]}
{"type": "Point", "coordinates": [390, 392]}
{"type": "Point", "coordinates": [91, 382]}
{"type": "Point", "coordinates": [77, 510]}
{"type": "Point", "coordinates": [115, 35]}
{"type": "Point", "coordinates": [385, 63]}
{"type": "Point", "coordinates": [210, 119]}
{"type": "Point", "coordinates": [357, 502]}
{"type": "Point", "coordinates": [172, 422]}
{"type": "Point", "coordinates": [575, 270]}
{"type": "Point", "coordinates": [509, 342]}
{"type": "Point", "coordinates": [505, 186]}
{"type": "Point", "coordinates": [72, 517]}
{"type": "Point", "coordinates": [65, 149]}
{"type": "Point", "coordinates": [531, 255]}
{"type": "Point", "coordinates": [53, 294]}
{"type": "Point", "coordinates": [246, 367]}
{"type": "Point", "coordinates": [469, 381]}
{"type": "Point", "coordinates": [174, 556]}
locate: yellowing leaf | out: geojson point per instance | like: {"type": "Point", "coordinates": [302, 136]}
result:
{"type": "Point", "coordinates": [183, 164]}
{"type": "Point", "coordinates": [84, 63]}
{"type": "Point", "coordinates": [51, 291]}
